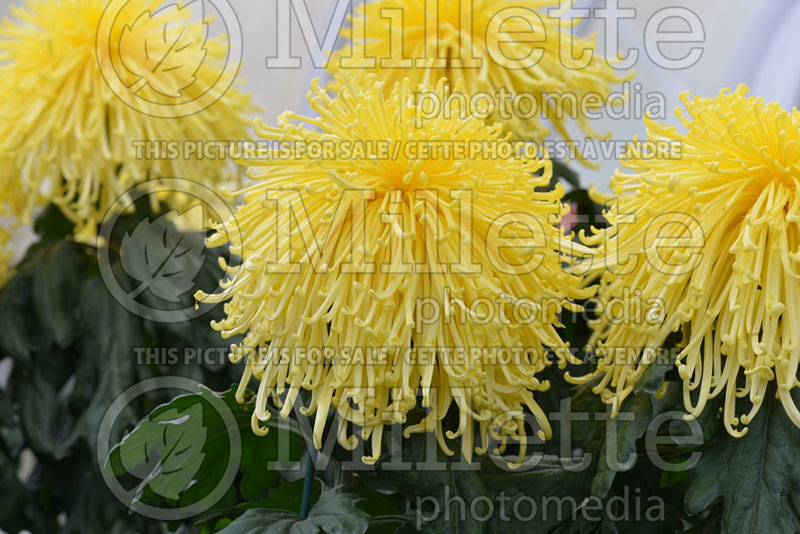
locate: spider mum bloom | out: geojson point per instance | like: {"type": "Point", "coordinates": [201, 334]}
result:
{"type": "Point", "coordinates": [373, 269]}
{"type": "Point", "coordinates": [710, 243]}
{"type": "Point", "coordinates": [512, 55]}
{"type": "Point", "coordinates": [70, 139]}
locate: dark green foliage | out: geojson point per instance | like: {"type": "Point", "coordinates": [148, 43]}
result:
{"type": "Point", "coordinates": [74, 350]}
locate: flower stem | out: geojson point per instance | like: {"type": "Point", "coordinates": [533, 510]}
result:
{"type": "Point", "coordinates": [308, 485]}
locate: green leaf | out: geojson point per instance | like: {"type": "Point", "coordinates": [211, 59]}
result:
{"type": "Point", "coordinates": [107, 334]}
{"type": "Point", "coordinates": [91, 506]}
{"type": "Point", "coordinates": [257, 452]}
{"type": "Point", "coordinates": [10, 432]}
{"type": "Point", "coordinates": [17, 509]}
{"type": "Point", "coordinates": [334, 513]}
{"type": "Point", "coordinates": [15, 333]}
{"type": "Point", "coordinates": [195, 471]}
{"type": "Point", "coordinates": [548, 484]}
{"type": "Point", "coordinates": [56, 275]}
{"type": "Point", "coordinates": [44, 421]}
{"type": "Point", "coordinates": [165, 451]}
{"type": "Point", "coordinates": [622, 443]}
{"type": "Point", "coordinates": [256, 478]}
{"type": "Point", "coordinates": [440, 484]}
{"type": "Point", "coordinates": [13, 491]}
{"type": "Point", "coordinates": [597, 436]}
{"type": "Point", "coordinates": [168, 450]}
{"type": "Point", "coordinates": [654, 376]}
{"type": "Point", "coordinates": [756, 475]}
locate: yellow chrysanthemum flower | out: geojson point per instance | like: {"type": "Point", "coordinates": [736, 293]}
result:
{"type": "Point", "coordinates": [73, 141]}
{"type": "Point", "coordinates": [710, 243]}
{"type": "Point", "coordinates": [513, 51]}
{"type": "Point", "coordinates": [369, 267]}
